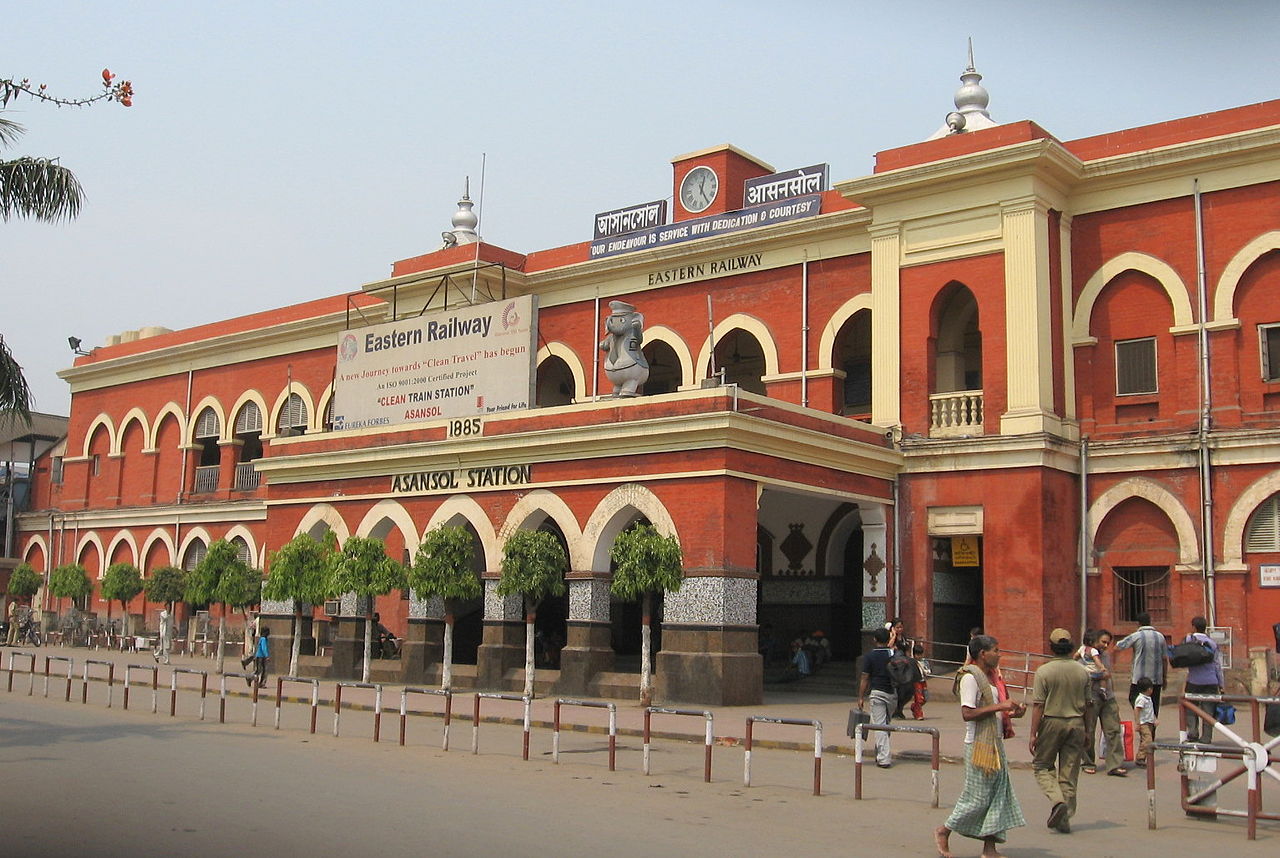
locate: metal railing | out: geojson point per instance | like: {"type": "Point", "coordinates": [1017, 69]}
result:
{"type": "Point", "coordinates": [111, 678]}
{"type": "Point", "coordinates": [71, 666]}
{"type": "Point", "coordinates": [173, 688]}
{"type": "Point", "coordinates": [590, 704]}
{"type": "Point", "coordinates": [206, 479]}
{"type": "Point", "coordinates": [155, 682]}
{"type": "Point", "coordinates": [650, 711]}
{"type": "Point", "coordinates": [32, 670]}
{"type": "Point", "coordinates": [475, 720]}
{"type": "Point", "coordinates": [860, 739]}
{"type": "Point", "coordinates": [377, 705]}
{"type": "Point", "coordinates": [247, 477]}
{"type": "Point", "coordinates": [315, 697]}
{"type": "Point", "coordinates": [956, 413]}
{"type": "Point", "coordinates": [448, 709]}
{"type": "Point", "coordinates": [799, 722]}
{"type": "Point", "coordinates": [222, 695]}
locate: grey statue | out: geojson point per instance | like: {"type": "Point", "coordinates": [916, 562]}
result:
{"type": "Point", "coordinates": [624, 363]}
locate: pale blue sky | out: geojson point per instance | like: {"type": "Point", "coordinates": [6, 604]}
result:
{"type": "Point", "coordinates": [279, 152]}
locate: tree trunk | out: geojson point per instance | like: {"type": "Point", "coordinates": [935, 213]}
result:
{"type": "Point", "coordinates": [646, 625]}
{"type": "Point", "coordinates": [108, 632]}
{"type": "Point", "coordinates": [222, 637]}
{"type": "Point", "coordinates": [368, 645]}
{"type": "Point", "coordinates": [296, 651]}
{"type": "Point", "coordinates": [446, 674]}
{"type": "Point", "coordinates": [530, 617]}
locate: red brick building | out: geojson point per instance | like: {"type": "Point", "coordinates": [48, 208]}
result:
{"type": "Point", "coordinates": [1003, 380]}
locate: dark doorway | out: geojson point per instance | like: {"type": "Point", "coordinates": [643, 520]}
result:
{"type": "Point", "coordinates": [957, 587]}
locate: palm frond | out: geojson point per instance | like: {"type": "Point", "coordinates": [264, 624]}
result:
{"type": "Point", "coordinates": [15, 393]}
{"type": "Point", "coordinates": [38, 188]}
{"type": "Point", "coordinates": [10, 131]}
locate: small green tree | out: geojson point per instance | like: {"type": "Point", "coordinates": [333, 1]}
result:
{"type": "Point", "coordinates": [362, 567]}
{"type": "Point", "coordinates": [298, 573]}
{"type": "Point", "coordinates": [24, 582]}
{"type": "Point", "coordinates": [533, 565]}
{"type": "Point", "coordinates": [645, 562]}
{"type": "Point", "coordinates": [205, 584]}
{"type": "Point", "coordinates": [123, 581]}
{"type": "Point", "coordinates": [70, 581]}
{"type": "Point", "coordinates": [167, 585]}
{"type": "Point", "coordinates": [442, 567]}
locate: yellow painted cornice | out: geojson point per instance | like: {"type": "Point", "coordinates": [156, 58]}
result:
{"type": "Point", "coordinates": [990, 452]}
{"type": "Point", "coordinates": [158, 515]}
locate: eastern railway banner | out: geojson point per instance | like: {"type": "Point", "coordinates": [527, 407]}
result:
{"type": "Point", "coordinates": [452, 363]}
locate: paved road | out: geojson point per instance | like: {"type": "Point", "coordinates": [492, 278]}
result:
{"type": "Point", "coordinates": [87, 780]}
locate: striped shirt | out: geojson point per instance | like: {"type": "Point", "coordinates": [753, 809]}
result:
{"type": "Point", "coordinates": [1149, 653]}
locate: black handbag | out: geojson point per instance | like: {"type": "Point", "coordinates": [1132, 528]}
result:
{"type": "Point", "coordinates": [1190, 654]}
{"type": "Point", "coordinates": [856, 717]}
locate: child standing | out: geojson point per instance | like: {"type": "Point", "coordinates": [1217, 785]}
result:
{"type": "Point", "coordinates": [1145, 717]}
{"type": "Point", "coordinates": [921, 685]}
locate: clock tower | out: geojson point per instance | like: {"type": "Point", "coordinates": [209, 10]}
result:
{"type": "Point", "coordinates": [709, 181]}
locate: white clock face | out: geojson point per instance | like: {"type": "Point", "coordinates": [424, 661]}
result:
{"type": "Point", "coordinates": [698, 189]}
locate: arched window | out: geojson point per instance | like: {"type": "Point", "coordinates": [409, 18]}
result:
{"type": "Point", "coordinates": [1263, 533]}
{"type": "Point", "coordinates": [293, 417]}
{"type": "Point", "coordinates": [208, 428]}
{"type": "Point", "coordinates": [243, 553]}
{"type": "Point", "coordinates": [555, 383]}
{"type": "Point", "coordinates": [664, 369]}
{"type": "Point", "coordinates": [195, 553]}
{"type": "Point", "coordinates": [853, 357]}
{"type": "Point", "coordinates": [249, 431]}
{"type": "Point", "coordinates": [741, 357]}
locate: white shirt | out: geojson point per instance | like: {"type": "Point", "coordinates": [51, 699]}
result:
{"type": "Point", "coordinates": [969, 697]}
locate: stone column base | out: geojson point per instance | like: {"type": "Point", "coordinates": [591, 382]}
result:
{"type": "Point", "coordinates": [280, 646]}
{"type": "Point", "coordinates": [348, 648]}
{"type": "Point", "coordinates": [501, 648]}
{"type": "Point", "coordinates": [588, 651]}
{"type": "Point", "coordinates": [711, 665]}
{"type": "Point", "coordinates": [422, 651]}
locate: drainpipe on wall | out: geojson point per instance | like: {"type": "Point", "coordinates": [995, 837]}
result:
{"type": "Point", "coordinates": [186, 416]}
{"type": "Point", "coordinates": [804, 331]}
{"type": "Point", "coordinates": [897, 552]}
{"type": "Point", "coordinates": [595, 353]}
{"type": "Point", "coordinates": [1084, 535]}
{"type": "Point", "coordinates": [1206, 421]}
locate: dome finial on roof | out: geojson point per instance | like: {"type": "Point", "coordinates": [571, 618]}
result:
{"type": "Point", "coordinates": [971, 102]}
{"type": "Point", "coordinates": [464, 220]}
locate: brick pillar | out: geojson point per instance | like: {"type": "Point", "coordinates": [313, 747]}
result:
{"type": "Point", "coordinates": [422, 650]}
{"type": "Point", "coordinates": [589, 646]}
{"type": "Point", "coordinates": [502, 644]}
{"type": "Point", "coordinates": [710, 644]}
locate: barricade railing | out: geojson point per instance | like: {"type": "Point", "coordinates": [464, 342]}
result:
{"type": "Point", "coordinates": [475, 719]}
{"type": "Point", "coordinates": [71, 666]}
{"type": "Point", "coordinates": [315, 697]}
{"type": "Point", "coordinates": [797, 722]}
{"type": "Point", "coordinates": [111, 678]}
{"type": "Point", "coordinates": [377, 705]}
{"type": "Point", "coordinates": [222, 695]}
{"type": "Point", "coordinates": [587, 704]}
{"type": "Point", "coordinates": [859, 743]}
{"type": "Point", "coordinates": [439, 692]}
{"type": "Point", "coordinates": [1255, 756]}
{"type": "Point", "coordinates": [173, 688]}
{"type": "Point", "coordinates": [650, 711]}
{"type": "Point", "coordinates": [32, 670]}
{"type": "Point", "coordinates": [155, 682]}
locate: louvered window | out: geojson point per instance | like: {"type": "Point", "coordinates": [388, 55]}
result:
{"type": "Point", "coordinates": [1264, 528]}
{"type": "Point", "coordinates": [1269, 336]}
{"type": "Point", "coordinates": [249, 419]}
{"type": "Point", "coordinates": [207, 424]}
{"type": "Point", "coordinates": [294, 413]}
{"type": "Point", "coordinates": [195, 553]}
{"type": "Point", "coordinates": [243, 554]}
{"type": "Point", "coordinates": [1136, 366]}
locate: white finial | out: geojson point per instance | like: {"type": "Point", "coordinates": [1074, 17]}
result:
{"type": "Point", "coordinates": [971, 102]}
{"type": "Point", "coordinates": [464, 220]}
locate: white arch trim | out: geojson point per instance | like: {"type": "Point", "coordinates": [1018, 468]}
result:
{"type": "Point", "coordinates": [399, 517]}
{"type": "Point", "coordinates": [663, 334]}
{"type": "Point", "coordinates": [125, 536]}
{"type": "Point", "coordinates": [162, 536]}
{"type": "Point", "coordinates": [208, 402]}
{"type": "Point", "coordinates": [91, 538]}
{"type": "Point", "coordinates": [566, 354]}
{"type": "Point", "coordinates": [135, 414]}
{"type": "Point", "coordinates": [194, 534]}
{"type": "Point", "coordinates": [1165, 500]}
{"type": "Point", "coordinates": [244, 533]}
{"type": "Point", "coordinates": [248, 396]}
{"type": "Point", "coordinates": [176, 411]}
{"type": "Point", "coordinates": [1161, 271]}
{"type": "Point", "coordinates": [751, 325]}
{"type": "Point", "coordinates": [1224, 296]}
{"type": "Point", "coordinates": [606, 521]}
{"type": "Point", "coordinates": [553, 507]}
{"type": "Point", "coordinates": [36, 541]}
{"type": "Point", "coordinates": [272, 428]}
{"type": "Point", "coordinates": [105, 422]}
{"type": "Point", "coordinates": [846, 311]}
{"type": "Point", "coordinates": [1233, 533]}
{"type": "Point", "coordinates": [326, 515]}
{"type": "Point", "coordinates": [465, 507]}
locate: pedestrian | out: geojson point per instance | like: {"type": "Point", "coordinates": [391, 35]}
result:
{"type": "Point", "coordinates": [878, 686]}
{"type": "Point", "coordinates": [1089, 656]}
{"type": "Point", "coordinates": [1059, 697]}
{"type": "Point", "coordinates": [12, 638]}
{"type": "Point", "coordinates": [261, 652]}
{"type": "Point", "coordinates": [1108, 711]}
{"type": "Point", "coordinates": [921, 695]}
{"type": "Point", "coordinates": [165, 638]}
{"type": "Point", "coordinates": [1144, 713]}
{"type": "Point", "coordinates": [987, 807]}
{"type": "Point", "coordinates": [1150, 658]}
{"type": "Point", "coordinates": [1203, 679]}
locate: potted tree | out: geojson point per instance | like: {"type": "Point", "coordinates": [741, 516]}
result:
{"type": "Point", "coordinates": [222, 577]}
{"type": "Point", "coordinates": [24, 583]}
{"type": "Point", "coordinates": [645, 562]}
{"type": "Point", "coordinates": [362, 567]}
{"type": "Point", "coordinates": [442, 567]}
{"type": "Point", "coordinates": [298, 573]}
{"type": "Point", "coordinates": [533, 565]}
{"type": "Point", "coordinates": [167, 586]}
{"type": "Point", "coordinates": [122, 582]}
{"type": "Point", "coordinates": [70, 581]}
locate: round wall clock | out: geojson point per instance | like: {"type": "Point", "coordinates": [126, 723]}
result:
{"type": "Point", "coordinates": [698, 189]}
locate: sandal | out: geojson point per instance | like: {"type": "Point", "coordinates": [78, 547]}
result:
{"type": "Point", "coordinates": [1119, 772]}
{"type": "Point", "coordinates": [1090, 770]}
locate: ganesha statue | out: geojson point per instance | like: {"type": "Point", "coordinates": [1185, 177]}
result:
{"type": "Point", "coordinates": [624, 363]}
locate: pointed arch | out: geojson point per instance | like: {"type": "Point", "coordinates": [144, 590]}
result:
{"type": "Point", "coordinates": [1165, 500]}
{"type": "Point", "coordinates": [165, 538]}
{"type": "Point", "coordinates": [36, 543]}
{"type": "Point", "coordinates": [399, 518]}
{"type": "Point", "coordinates": [126, 537]}
{"type": "Point", "coordinates": [135, 415]}
{"type": "Point", "coordinates": [91, 539]}
{"type": "Point", "coordinates": [570, 358]}
{"type": "Point", "coordinates": [208, 402]}
{"type": "Point", "coordinates": [1224, 294]}
{"type": "Point", "coordinates": [300, 390]}
{"type": "Point", "coordinates": [614, 513]}
{"type": "Point", "coordinates": [663, 334]}
{"type": "Point", "coordinates": [169, 409]}
{"type": "Point", "coordinates": [102, 421]}
{"type": "Point", "coordinates": [255, 558]}
{"type": "Point", "coordinates": [248, 396]}
{"type": "Point", "coordinates": [751, 325]}
{"type": "Point", "coordinates": [1158, 270]}
{"type": "Point", "coordinates": [465, 507]}
{"type": "Point", "coordinates": [845, 312]}
{"type": "Point", "coordinates": [321, 517]}
{"type": "Point", "coordinates": [1238, 518]}
{"type": "Point", "coordinates": [532, 509]}
{"type": "Point", "coordinates": [323, 405]}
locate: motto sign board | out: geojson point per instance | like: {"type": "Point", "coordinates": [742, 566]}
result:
{"type": "Point", "coordinates": [452, 363]}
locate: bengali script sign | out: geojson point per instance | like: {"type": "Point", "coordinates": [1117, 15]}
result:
{"type": "Point", "coordinates": [630, 219]}
{"type": "Point", "coordinates": [703, 227]}
{"type": "Point", "coordinates": [782, 186]}
{"type": "Point", "coordinates": [452, 363]}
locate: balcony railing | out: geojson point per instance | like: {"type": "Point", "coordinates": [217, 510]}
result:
{"type": "Point", "coordinates": [206, 479]}
{"type": "Point", "coordinates": [954, 414]}
{"type": "Point", "coordinates": [247, 477]}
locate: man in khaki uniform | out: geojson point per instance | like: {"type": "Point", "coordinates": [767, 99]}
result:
{"type": "Point", "coordinates": [12, 638]}
{"type": "Point", "coordinates": [1060, 695]}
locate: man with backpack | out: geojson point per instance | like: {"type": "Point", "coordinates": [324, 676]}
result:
{"type": "Point", "coordinates": [877, 684]}
{"type": "Point", "coordinates": [1205, 678]}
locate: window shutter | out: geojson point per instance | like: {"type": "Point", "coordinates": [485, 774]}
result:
{"type": "Point", "coordinates": [249, 419]}
{"type": "Point", "coordinates": [294, 413]}
{"type": "Point", "coordinates": [195, 553]}
{"type": "Point", "coordinates": [1264, 527]}
{"type": "Point", "coordinates": [1136, 366]}
{"type": "Point", "coordinates": [207, 424]}
{"type": "Point", "coordinates": [243, 554]}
